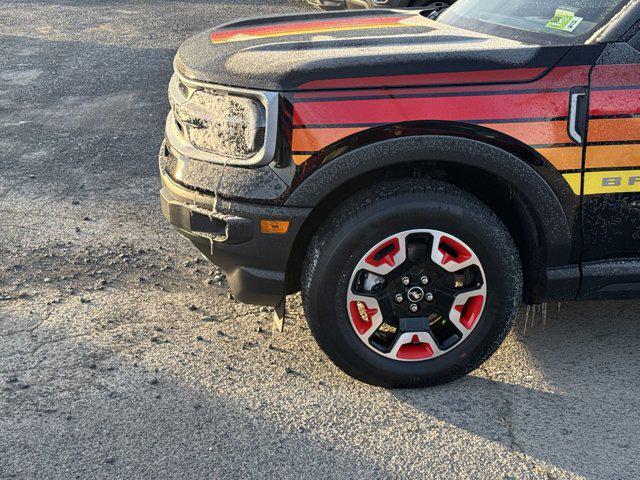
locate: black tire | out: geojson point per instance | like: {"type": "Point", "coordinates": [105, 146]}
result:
{"type": "Point", "coordinates": [376, 213]}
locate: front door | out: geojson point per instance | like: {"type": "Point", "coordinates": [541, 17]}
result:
{"type": "Point", "coordinates": [611, 182]}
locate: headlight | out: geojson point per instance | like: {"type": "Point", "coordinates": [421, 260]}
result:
{"type": "Point", "coordinates": [222, 124]}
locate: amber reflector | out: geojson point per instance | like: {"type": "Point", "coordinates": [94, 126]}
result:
{"type": "Point", "coordinates": [274, 226]}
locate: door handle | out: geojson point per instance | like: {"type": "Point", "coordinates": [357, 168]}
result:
{"type": "Point", "coordinates": [575, 119]}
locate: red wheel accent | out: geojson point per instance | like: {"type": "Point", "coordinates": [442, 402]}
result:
{"type": "Point", "coordinates": [361, 325]}
{"type": "Point", "coordinates": [470, 311]}
{"type": "Point", "coordinates": [453, 251]}
{"type": "Point", "coordinates": [385, 254]}
{"type": "Point", "coordinates": [415, 350]}
{"type": "Point", "coordinates": [378, 326]}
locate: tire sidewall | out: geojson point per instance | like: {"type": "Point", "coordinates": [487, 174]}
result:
{"type": "Point", "coordinates": [477, 227]}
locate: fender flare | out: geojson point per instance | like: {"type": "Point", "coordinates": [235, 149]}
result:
{"type": "Point", "coordinates": [543, 203]}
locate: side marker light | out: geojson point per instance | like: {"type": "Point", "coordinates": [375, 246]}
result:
{"type": "Point", "coordinates": [275, 227]}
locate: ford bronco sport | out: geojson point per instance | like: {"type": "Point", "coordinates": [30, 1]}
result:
{"type": "Point", "coordinates": [415, 178]}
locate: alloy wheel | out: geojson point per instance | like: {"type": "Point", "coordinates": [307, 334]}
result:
{"type": "Point", "coordinates": [416, 295]}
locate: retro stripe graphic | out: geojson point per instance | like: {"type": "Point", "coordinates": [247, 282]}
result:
{"type": "Point", "coordinates": [605, 182]}
{"type": "Point", "coordinates": [613, 156]}
{"type": "Point", "coordinates": [462, 108]}
{"type": "Point", "coordinates": [463, 82]}
{"type": "Point", "coordinates": [308, 27]}
{"type": "Point", "coordinates": [460, 78]}
{"type": "Point", "coordinates": [535, 113]}
{"type": "Point", "coordinates": [612, 159]}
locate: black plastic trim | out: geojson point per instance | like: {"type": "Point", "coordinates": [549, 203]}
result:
{"type": "Point", "coordinates": [618, 278]}
{"type": "Point", "coordinates": [255, 263]}
{"type": "Point", "coordinates": [561, 284]}
{"type": "Point", "coordinates": [543, 202]}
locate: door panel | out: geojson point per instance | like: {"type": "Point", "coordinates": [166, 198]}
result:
{"type": "Point", "coordinates": [611, 183]}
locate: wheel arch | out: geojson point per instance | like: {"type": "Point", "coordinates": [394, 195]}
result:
{"type": "Point", "coordinates": [510, 185]}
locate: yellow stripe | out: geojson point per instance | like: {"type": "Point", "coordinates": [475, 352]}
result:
{"type": "Point", "coordinates": [614, 181]}
{"type": "Point", "coordinates": [574, 180]}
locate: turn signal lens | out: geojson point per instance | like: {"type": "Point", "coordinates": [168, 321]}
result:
{"type": "Point", "coordinates": [278, 227]}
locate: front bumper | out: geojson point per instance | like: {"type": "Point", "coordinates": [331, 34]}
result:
{"type": "Point", "coordinates": [229, 234]}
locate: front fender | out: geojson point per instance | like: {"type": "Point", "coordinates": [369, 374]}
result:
{"type": "Point", "coordinates": [556, 222]}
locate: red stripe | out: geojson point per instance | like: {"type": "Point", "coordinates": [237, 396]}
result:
{"type": "Point", "coordinates": [460, 78]}
{"type": "Point", "coordinates": [615, 102]}
{"type": "Point", "coordinates": [287, 27]}
{"type": "Point", "coordinates": [616, 75]}
{"type": "Point", "coordinates": [561, 77]}
{"type": "Point", "coordinates": [389, 110]}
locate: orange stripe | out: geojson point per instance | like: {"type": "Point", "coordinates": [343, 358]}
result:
{"type": "Point", "coordinates": [620, 129]}
{"type": "Point", "coordinates": [287, 33]}
{"type": "Point", "coordinates": [314, 139]}
{"type": "Point", "coordinates": [563, 158]}
{"type": "Point", "coordinates": [534, 133]}
{"type": "Point", "coordinates": [300, 159]}
{"type": "Point", "coordinates": [239, 36]}
{"type": "Point", "coordinates": [531, 133]}
{"type": "Point", "coordinates": [306, 25]}
{"type": "Point", "coordinates": [611, 156]}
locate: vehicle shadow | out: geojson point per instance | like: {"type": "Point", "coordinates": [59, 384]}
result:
{"type": "Point", "coordinates": [113, 402]}
{"type": "Point", "coordinates": [561, 393]}
{"type": "Point", "coordinates": [95, 412]}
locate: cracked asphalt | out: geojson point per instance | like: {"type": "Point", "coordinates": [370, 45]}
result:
{"type": "Point", "coordinates": [122, 355]}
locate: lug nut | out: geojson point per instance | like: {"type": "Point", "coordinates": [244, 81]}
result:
{"type": "Point", "coordinates": [413, 308]}
{"type": "Point", "coordinates": [399, 298]}
{"type": "Point", "coordinates": [429, 297]}
{"type": "Point", "coordinates": [406, 281]}
{"type": "Point", "coordinates": [424, 280]}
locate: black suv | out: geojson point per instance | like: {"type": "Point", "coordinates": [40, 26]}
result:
{"type": "Point", "coordinates": [416, 178]}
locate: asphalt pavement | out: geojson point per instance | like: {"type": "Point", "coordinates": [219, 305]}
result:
{"type": "Point", "coordinates": [123, 356]}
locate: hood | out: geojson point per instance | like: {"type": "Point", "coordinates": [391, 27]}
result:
{"type": "Point", "coordinates": [359, 49]}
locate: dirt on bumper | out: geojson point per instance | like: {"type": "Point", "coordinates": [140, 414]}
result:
{"type": "Point", "coordinates": [228, 233]}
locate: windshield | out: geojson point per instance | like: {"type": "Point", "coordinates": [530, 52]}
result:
{"type": "Point", "coordinates": [558, 22]}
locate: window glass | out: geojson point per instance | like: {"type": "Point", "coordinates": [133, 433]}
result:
{"type": "Point", "coordinates": [550, 22]}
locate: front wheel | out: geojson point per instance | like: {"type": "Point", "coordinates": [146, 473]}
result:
{"type": "Point", "coordinates": [411, 283]}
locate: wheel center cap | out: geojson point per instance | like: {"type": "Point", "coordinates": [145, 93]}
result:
{"type": "Point", "coordinates": [415, 294]}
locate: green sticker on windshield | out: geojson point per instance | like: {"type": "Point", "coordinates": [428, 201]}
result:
{"type": "Point", "coordinates": [565, 20]}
